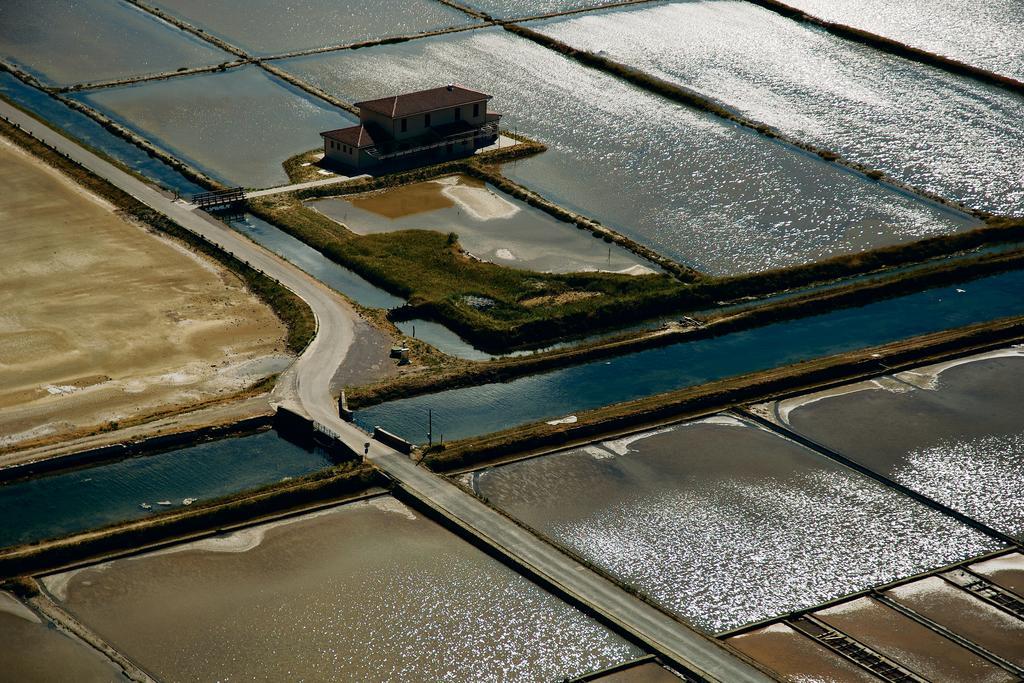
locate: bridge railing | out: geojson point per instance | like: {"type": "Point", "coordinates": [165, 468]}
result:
{"type": "Point", "coordinates": [219, 197]}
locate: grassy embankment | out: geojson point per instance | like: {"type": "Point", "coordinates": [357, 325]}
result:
{"type": "Point", "coordinates": [429, 270]}
{"type": "Point", "coordinates": [209, 516]}
{"type": "Point", "coordinates": [507, 369]}
{"type": "Point", "coordinates": [715, 396]}
{"type": "Point", "coordinates": [293, 311]}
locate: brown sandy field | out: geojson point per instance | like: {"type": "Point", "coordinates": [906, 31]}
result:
{"type": "Point", "coordinates": [103, 321]}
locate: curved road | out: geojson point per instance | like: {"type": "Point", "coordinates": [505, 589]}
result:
{"type": "Point", "coordinates": [306, 388]}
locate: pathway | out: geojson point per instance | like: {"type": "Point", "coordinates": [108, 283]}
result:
{"type": "Point", "coordinates": [306, 387]}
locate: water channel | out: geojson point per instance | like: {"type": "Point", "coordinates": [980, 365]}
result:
{"type": "Point", "coordinates": [78, 500]}
{"type": "Point", "coordinates": [465, 412]}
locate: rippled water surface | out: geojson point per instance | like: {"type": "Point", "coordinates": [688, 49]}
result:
{"type": "Point", "coordinates": [953, 136]}
{"type": "Point", "coordinates": [313, 262]}
{"type": "Point", "coordinates": [725, 523]}
{"type": "Point", "coordinates": [714, 195]}
{"type": "Point", "coordinates": [490, 225]}
{"type": "Point", "coordinates": [365, 591]}
{"type": "Point", "coordinates": [273, 27]}
{"type": "Point", "coordinates": [237, 126]}
{"type": "Point", "coordinates": [984, 33]}
{"type": "Point", "coordinates": [487, 408]}
{"type": "Point", "coordinates": [529, 8]}
{"type": "Point", "coordinates": [69, 502]}
{"type": "Point", "coordinates": [63, 43]}
{"type": "Point", "coordinates": [955, 435]}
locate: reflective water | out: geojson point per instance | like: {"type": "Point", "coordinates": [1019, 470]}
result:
{"type": "Point", "coordinates": [69, 502]}
{"type": "Point", "coordinates": [365, 591]}
{"type": "Point", "coordinates": [979, 622]}
{"type": "Point", "coordinates": [442, 339]}
{"type": "Point", "coordinates": [954, 433]}
{"type": "Point", "coordinates": [786, 528]}
{"type": "Point", "coordinates": [1006, 571]}
{"type": "Point", "coordinates": [711, 194]}
{"type": "Point", "coordinates": [491, 226]}
{"type": "Point", "coordinates": [953, 136]}
{"type": "Point", "coordinates": [985, 33]}
{"type": "Point", "coordinates": [80, 127]}
{"type": "Point", "coordinates": [313, 262]}
{"type": "Point", "coordinates": [487, 408]}
{"type": "Point", "coordinates": [916, 647]}
{"type": "Point", "coordinates": [797, 658]}
{"type": "Point", "coordinates": [265, 27]}
{"type": "Point", "coordinates": [32, 650]}
{"type": "Point", "coordinates": [237, 126]}
{"type": "Point", "coordinates": [62, 43]}
{"type": "Point", "coordinates": [529, 8]}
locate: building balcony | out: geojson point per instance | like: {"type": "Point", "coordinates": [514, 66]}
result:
{"type": "Point", "coordinates": [441, 136]}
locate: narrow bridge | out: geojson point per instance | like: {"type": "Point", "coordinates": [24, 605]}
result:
{"type": "Point", "coordinates": [219, 198]}
{"type": "Point", "coordinates": [310, 378]}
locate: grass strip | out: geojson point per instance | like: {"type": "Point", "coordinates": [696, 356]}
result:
{"type": "Point", "coordinates": [507, 369]}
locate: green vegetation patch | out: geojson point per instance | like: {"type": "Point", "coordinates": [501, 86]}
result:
{"type": "Point", "coordinates": [494, 306]}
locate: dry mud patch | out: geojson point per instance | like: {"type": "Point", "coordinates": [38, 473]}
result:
{"type": "Point", "coordinates": [102, 320]}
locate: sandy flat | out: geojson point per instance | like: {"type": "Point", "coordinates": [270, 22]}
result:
{"type": "Point", "coordinates": [102, 320]}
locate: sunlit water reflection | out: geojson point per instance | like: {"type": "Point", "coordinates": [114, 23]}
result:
{"type": "Point", "coordinates": [947, 134]}
{"type": "Point", "coordinates": [725, 523]}
{"type": "Point", "coordinates": [954, 434]}
{"type": "Point", "coordinates": [365, 591]}
{"type": "Point", "coordinates": [706, 192]}
{"type": "Point", "coordinates": [984, 33]}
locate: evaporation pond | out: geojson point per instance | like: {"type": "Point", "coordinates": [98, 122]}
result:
{"type": "Point", "coordinates": [984, 33]}
{"type": "Point", "coordinates": [797, 658]}
{"type": "Point", "coordinates": [64, 503]}
{"type": "Point", "coordinates": [266, 27]}
{"type": "Point", "coordinates": [237, 126]}
{"type": "Point", "coordinates": [490, 225]}
{"type": "Point", "coordinates": [953, 431]}
{"type": "Point", "coordinates": [364, 591]}
{"type": "Point", "coordinates": [33, 650]}
{"type": "Point", "coordinates": [724, 523]}
{"type": "Point", "coordinates": [952, 136]}
{"type": "Point", "coordinates": [63, 43]}
{"type": "Point", "coordinates": [911, 644]}
{"type": "Point", "coordinates": [691, 186]}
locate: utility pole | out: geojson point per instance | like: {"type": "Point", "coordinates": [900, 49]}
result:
{"type": "Point", "coordinates": [430, 427]}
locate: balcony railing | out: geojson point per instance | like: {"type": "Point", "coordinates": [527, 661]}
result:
{"type": "Point", "coordinates": [433, 140]}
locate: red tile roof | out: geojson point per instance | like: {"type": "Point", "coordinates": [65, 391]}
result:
{"type": "Point", "coordinates": [423, 101]}
{"type": "Point", "coordinates": [355, 136]}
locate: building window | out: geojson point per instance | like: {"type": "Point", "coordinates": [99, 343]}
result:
{"type": "Point", "coordinates": [426, 120]}
{"type": "Point", "coordinates": [405, 125]}
{"type": "Point", "coordinates": [476, 110]}
{"type": "Point", "coordinates": [458, 113]}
